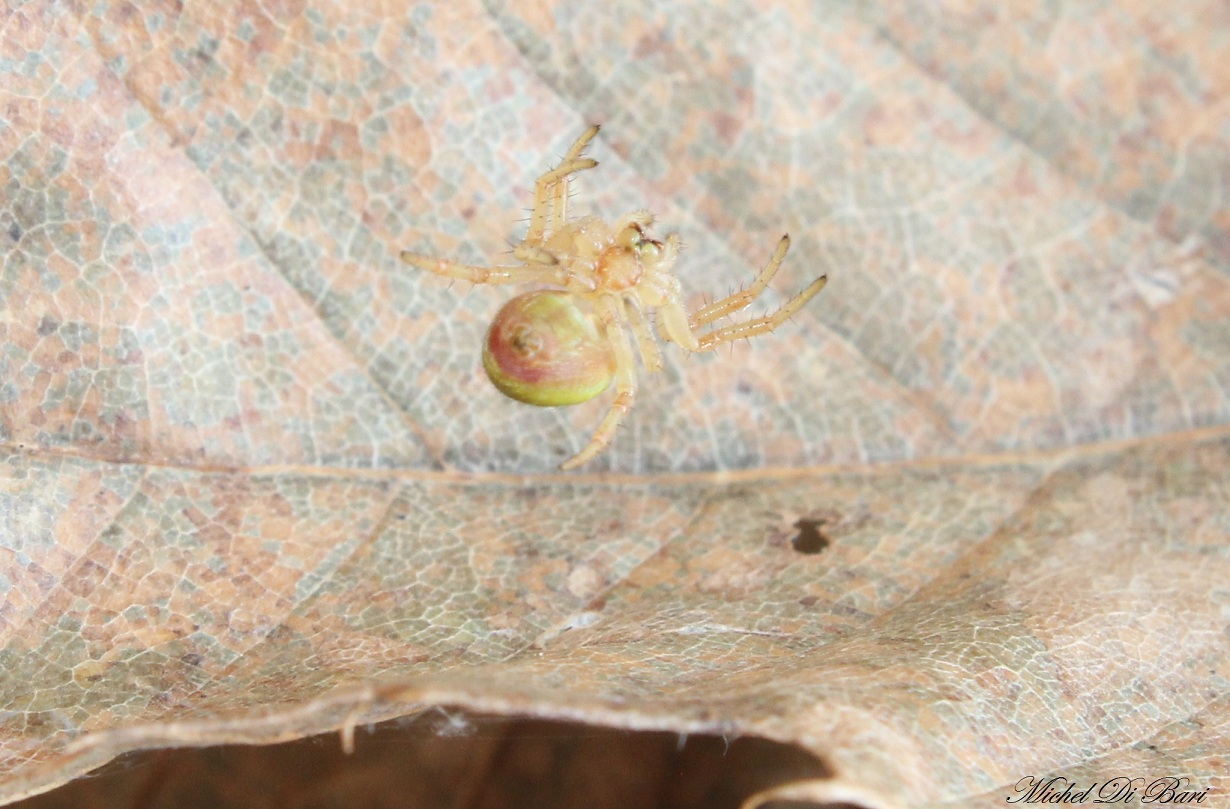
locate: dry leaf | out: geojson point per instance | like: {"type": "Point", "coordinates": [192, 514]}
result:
{"type": "Point", "coordinates": [256, 486]}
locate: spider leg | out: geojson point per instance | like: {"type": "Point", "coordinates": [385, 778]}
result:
{"type": "Point", "coordinates": [551, 190]}
{"type": "Point", "coordinates": [750, 328]}
{"type": "Point", "coordinates": [542, 273]}
{"type": "Point", "coordinates": [674, 322]}
{"type": "Point", "coordinates": [650, 354]}
{"type": "Point", "coordinates": [607, 308]}
{"type": "Point", "coordinates": [534, 255]}
{"type": "Point", "coordinates": [560, 193]}
{"type": "Point", "coordinates": [559, 206]}
{"type": "Point", "coordinates": [578, 146]}
{"type": "Point", "coordinates": [744, 297]}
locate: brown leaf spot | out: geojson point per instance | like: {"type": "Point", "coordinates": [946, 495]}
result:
{"type": "Point", "coordinates": [810, 538]}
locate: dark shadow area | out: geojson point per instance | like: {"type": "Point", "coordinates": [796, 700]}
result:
{"type": "Point", "coordinates": [448, 759]}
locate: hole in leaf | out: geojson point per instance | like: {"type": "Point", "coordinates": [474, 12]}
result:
{"type": "Point", "coordinates": [448, 757]}
{"type": "Point", "coordinates": [810, 538]}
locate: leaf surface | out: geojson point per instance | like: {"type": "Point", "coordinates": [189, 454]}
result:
{"type": "Point", "coordinates": [256, 486]}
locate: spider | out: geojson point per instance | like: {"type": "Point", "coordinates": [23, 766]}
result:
{"type": "Point", "coordinates": [565, 345]}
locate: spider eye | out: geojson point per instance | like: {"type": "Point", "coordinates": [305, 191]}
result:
{"type": "Point", "coordinates": [543, 350]}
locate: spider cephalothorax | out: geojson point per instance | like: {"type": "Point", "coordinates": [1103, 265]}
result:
{"type": "Point", "coordinates": [565, 345]}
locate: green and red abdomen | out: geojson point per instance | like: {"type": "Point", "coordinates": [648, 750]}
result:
{"type": "Point", "coordinates": [543, 350]}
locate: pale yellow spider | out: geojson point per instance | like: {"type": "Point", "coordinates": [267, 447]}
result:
{"type": "Point", "coordinates": [563, 346]}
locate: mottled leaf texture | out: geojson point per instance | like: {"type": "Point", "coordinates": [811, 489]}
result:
{"type": "Point", "coordinates": [963, 521]}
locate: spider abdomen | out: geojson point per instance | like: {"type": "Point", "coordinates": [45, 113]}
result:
{"type": "Point", "coordinates": [542, 349]}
